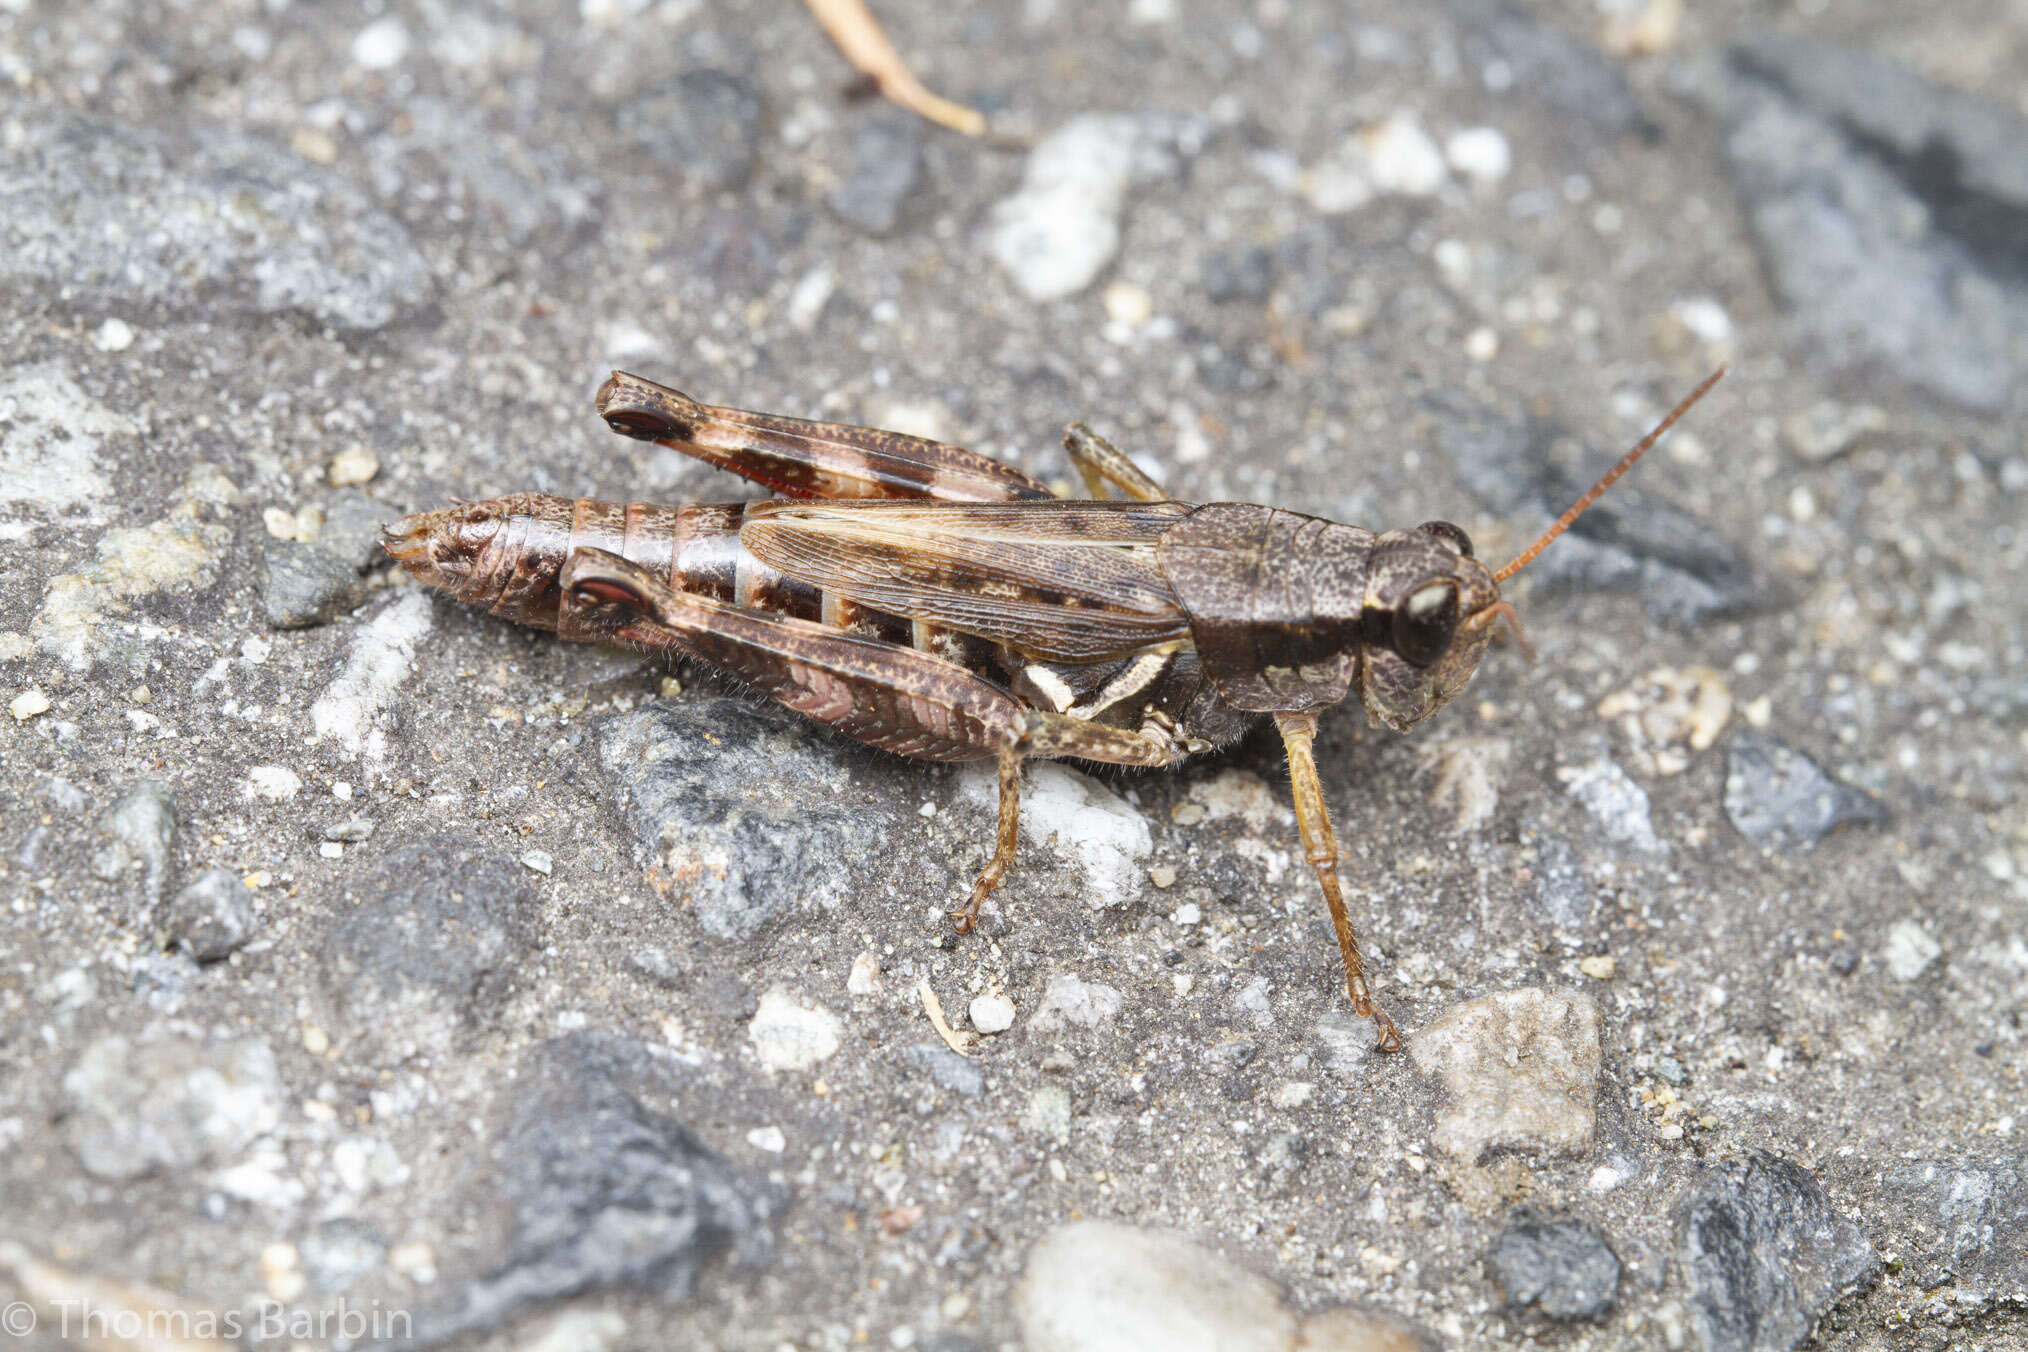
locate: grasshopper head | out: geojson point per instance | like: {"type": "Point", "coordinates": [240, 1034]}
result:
{"type": "Point", "coordinates": [1430, 606]}
{"type": "Point", "coordinates": [1427, 620]}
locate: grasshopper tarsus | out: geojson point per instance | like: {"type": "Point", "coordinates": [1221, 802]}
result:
{"type": "Point", "coordinates": [981, 617]}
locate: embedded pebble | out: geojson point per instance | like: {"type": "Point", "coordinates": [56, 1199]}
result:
{"type": "Point", "coordinates": [1670, 715]}
{"type": "Point", "coordinates": [951, 1071]}
{"type": "Point", "coordinates": [789, 1035]}
{"type": "Point", "coordinates": [1105, 835]}
{"type": "Point", "coordinates": [992, 1013]}
{"type": "Point", "coordinates": [352, 466]}
{"type": "Point", "coordinates": [1392, 157]}
{"type": "Point", "coordinates": [1765, 1254]}
{"type": "Point", "coordinates": [1564, 1269]}
{"type": "Point", "coordinates": [1098, 1286]}
{"type": "Point", "coordinates": [213, 916]}
{"type": "Point", "coordinates": [115, 335]}
{"type": "Point", "coordinates": [1048, 1113]}
{"type": "Point", "coordinates": [272, 781]}
{"type": "Point", "coordinates": [351, 831]}
{"type": "Point", "coordinates": [864, 978]}
{"type": "Point", "coordinates": [167, 1101]}
{"type": "Point", "coordinates": [1599, 966]}
{"type": "Point", "coordinates": [1522, 1068]}
{"type": "Point", "coordinates": [539, 861]}
{"type": "Point", "coordinates": [1480, 154]}
{"type": "Point", "coordinates": [28, 704]}
{"type": "Point", "coordinates": [1780, 798]}
{"type": "Point", "coordinates": [704, 125]}
{"type": "Point", "coordinates": [1827, 429]}
{"type": "Point", "coordinates": [381, 45]}
{"type": "Point", "coordinates": [1909, 950]}
{"type": "Point", "coordinates": [1467, 771]}
{"type": "Point", "coordinates": [1071, 1001]}
{"type": "Point", "coordinates": [1057, 233]}
{"type": "Point", "coordinates": [1616, 803]}
{"type": "Point", "coordinates": [886, 165]}
{"type": "Point", "coordinates": [142, 825]}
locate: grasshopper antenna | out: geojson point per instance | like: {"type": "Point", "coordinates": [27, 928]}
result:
{"type": "Point", "coordinates": [1577, 509]}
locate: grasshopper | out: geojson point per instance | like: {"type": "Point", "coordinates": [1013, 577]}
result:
{"type": "Point", "coordinates": [928, 600]}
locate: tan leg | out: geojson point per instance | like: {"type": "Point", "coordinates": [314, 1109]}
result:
{"type": "Point", "coordinates": [1320, 847]}
{"type": "Point", "coordinates": [1048, 734]}
{"type": "Point", "coordinates": [1003, 844]}
{"type": "Point", "coordinates": [1102, 463]}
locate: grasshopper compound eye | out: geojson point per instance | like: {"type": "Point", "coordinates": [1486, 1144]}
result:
{"type": "Point", "coordinates": [1423, 626]}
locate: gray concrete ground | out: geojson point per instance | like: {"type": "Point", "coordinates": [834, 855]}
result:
{"type": "Point", "coordinates": [363, 953]}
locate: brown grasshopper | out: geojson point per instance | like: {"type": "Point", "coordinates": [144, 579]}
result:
{"type": "Point", "coordinates": [933, 602]}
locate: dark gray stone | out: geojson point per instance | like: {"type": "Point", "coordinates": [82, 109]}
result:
{"type": "Point", "coordinates": [1246, 274]}
{"type": "Point", "coordinates": [213, 916]}
{"type": "Point", "coordinates": [1564, 1269]}
{"type": "Point", "coordinates": [886, 166]}
{"type": "Point", "coordinates": [433, 948]}
{"type": "Point", "coordinates": [352, 525]}
{"type": "Point", "coordinates": [231, 220]}
{"type": "Point", "coordinates": [1546, 65]}
{"type": "Point", "coordinates": [307, 586]}
{"type": "Point", "coordinates": [1892, 214]}
{"type": "Point", "coordinates": [1684, 570]}
{"type": "Point", "coordinates": [704, 124]}
{"type": "Point", "coordinates": [1963, 1221]}
{"type": "Point", "coordinates": [1765, 1255]}
{"type": "Point", "coordinates": [946, 1067]}
{"type": "Point", "coordinates": [1779, 797]}
{"type": "Point", "coordinates": [142, 825]}
{"type": "Point", "coordinates": [603, 1190]}
{"type": "Point", "coordinates": [740, 809]}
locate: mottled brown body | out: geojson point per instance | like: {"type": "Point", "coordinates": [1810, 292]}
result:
{"type": "Point", "coordinates": [933, 602]}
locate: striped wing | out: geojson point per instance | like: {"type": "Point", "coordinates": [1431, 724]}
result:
{"type": "Point", "coordinates": [1055, 581]}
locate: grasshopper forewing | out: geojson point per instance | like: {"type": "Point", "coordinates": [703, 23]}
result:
{"type": "Point", "coordinates": [933, 602]}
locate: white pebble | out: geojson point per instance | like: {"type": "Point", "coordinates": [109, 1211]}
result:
{"type": "Point", "coordinates": [769, 1139]}
{"type": "Point", "coordinates": [1704, 317]}
{"type": "Point", "coordinates": [1909, 950]}
{"type": "Point", "coordinates": [381, 45]}
{"type": "Point", "coordinates": [115, 335]}
{"type": "Point", "coordinates": [1401, 158]}
{"type": "Point", "coordinates": [1129, 304]}
{"type": "Point", "coordinates": [1482, 344]}
{"type": "Point", "coordinates": [791, 1036]}
{"type": "Point", "coordinates": [864, 978]}
{"type": "Point", "coordinates": [992, 1013]}
{"type": "Point", "coordinates": [538, 861]}
{"type": "Point", "coordinates": [355, 465]}
{"type": "Point", "coordinates": [273, 781]}
{"type": "Point", "coordinates": [331, 849]}
{"type": "Point", "coordinates": [28, 704]}
{"type": "Point", "coordinates": [1480, 154]}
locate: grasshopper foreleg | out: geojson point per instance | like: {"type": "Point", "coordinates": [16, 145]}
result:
{"type": "Point", "coordinates": [1320, 847]}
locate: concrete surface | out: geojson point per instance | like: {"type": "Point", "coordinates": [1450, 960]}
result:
{"type": "Point", "coordinates": [362, 952]}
